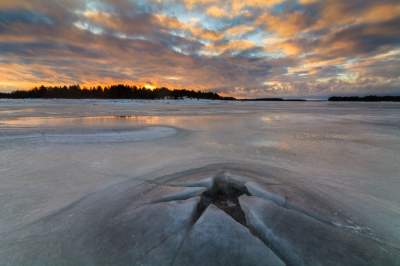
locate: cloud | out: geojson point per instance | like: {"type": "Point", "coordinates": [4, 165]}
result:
{"type": "Point", "coordinates": [216, 11]}
{"type": "Point", "coordinates": [285, 25]}
{"type": "Point", "coordinates": [240, 48]}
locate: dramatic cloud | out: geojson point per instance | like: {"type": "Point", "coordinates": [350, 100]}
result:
{"type": "Point", "coordinates": [252, 48]}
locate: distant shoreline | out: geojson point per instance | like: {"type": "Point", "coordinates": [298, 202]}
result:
{"type": "Point", "coordinates": [111, 92]}
{"type": "Point", "coordinates": [272, 100]}
{"type": "Point", "coordinates": [370, 98]}
{"type": "Point", "coordinates": [143, 93]}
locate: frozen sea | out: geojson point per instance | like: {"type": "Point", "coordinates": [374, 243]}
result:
{"type": "Point", "coordinates": [54, 152]}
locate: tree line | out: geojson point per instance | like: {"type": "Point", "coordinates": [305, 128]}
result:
{"type": "Point", "coordinates": [369, 98]}
{"type": "Point", "coordinates": [111, 92]}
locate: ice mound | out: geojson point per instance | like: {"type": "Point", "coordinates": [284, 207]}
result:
{"type": "Point", "coordinates": [215, 215]}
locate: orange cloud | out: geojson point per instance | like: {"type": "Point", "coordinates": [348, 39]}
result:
{"type": "Point", "coordinates": [286, 25]}
{"type": "Point", "coordinates": [307, 2]}
{"type": "Point", "coordinates": [216, 11]}
{"type": "Point", "coordinates": [380, 12]}
{"type": "Point", "coordinates": [239, 5]}
{"type": "Point", "coordinates": [290, 48]}
{"type": "Point", "coordinates": [238, 30]}
{"type": "Point", "coordinates": [192, 28]}
{"type": "Point", "coordinates": [232, 46]}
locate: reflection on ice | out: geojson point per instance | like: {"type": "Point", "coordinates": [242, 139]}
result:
{"type": "Point", "coordinates": [87, 121]}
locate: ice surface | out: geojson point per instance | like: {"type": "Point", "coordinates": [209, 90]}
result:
{"type": "Point", "coordinates": [216, 239]}
{"type": "Point", "coordinates": [340, 161]}
{"type": "Point", "coordinates": [160, 223]}
{"type": "Point", "coordinates": [99, 136]}
{"type": "Point", "coordinates": [302, 240]}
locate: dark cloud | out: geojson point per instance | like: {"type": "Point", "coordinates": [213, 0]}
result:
{"type": "Point", "coordinates": [364, 38]}
{"type": "Point", "coordinates": [12, 16]}
{"type": "Point", "coordinates": [45, 49]}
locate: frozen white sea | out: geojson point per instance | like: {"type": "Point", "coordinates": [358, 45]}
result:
{"type": "Point", "coordinates": [54, 153]}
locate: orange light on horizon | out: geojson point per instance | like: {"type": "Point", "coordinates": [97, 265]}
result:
{"type": "Point", "coordinates": [149, 86]}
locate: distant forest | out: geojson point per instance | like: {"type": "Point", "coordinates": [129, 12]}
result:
{"type": "Point", "coordinates": [370, 98]}
{"type": "Point", "coordinates": [111, 92]}
{"type": "Point", "coordinates": [134, 92]}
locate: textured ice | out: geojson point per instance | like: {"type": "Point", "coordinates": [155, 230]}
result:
{"type": "Point", "coordinates": [161, 223]}
{"type": "Point", "coordinates": [99, 136]}
{"type": "Point", "coordinates": [303, 240]}
{"type": "Point", "coordinates": [79, 180]}
{"type": "Point", "coordinates": [217, 239]}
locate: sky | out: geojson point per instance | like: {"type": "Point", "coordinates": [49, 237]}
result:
{"type": "Point", "coordinates": [241, 48]}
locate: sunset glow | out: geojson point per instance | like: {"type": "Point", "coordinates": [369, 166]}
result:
{"type": "Point", "coordinates": [253, 48]}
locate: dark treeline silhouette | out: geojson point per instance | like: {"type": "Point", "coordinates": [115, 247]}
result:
{"type": "Point", "coordinates": [272, 100]}
{"type": "Point", "coordinates": [111, 92]}
{"type": "Point", "coordinates": [370, 98]}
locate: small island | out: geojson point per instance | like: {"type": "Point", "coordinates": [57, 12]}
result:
{"type": "Point", "coordinates": [369, 98]}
